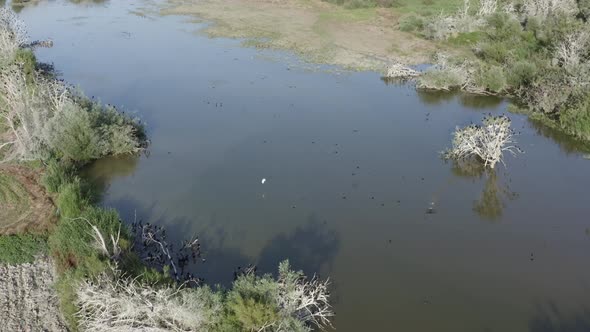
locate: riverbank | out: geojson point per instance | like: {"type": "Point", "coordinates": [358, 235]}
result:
{"type": "Point", "coordinates": [320, 32]}
{"type": "Point", "coordinates": [486, 48]}
{"type": "Point", "coordinates": [103, 263]}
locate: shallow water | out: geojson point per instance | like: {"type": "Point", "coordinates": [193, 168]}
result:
{"type": "Point", "coordinates": [351, 167]}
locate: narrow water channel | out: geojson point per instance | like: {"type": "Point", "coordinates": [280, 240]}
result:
{"type": "Point", "coordinates": [355, 188]}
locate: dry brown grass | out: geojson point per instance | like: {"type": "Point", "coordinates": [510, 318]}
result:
{"type": "Point", "coordinates": [363, 39]}
{"type": "Point", "coordinates": [24, 204]}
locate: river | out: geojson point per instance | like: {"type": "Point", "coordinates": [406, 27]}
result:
{"type": "Point", "coordinates": [351, 168]}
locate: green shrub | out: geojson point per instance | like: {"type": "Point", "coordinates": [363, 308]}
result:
{"type": "Point", "coordinates": [501, 26]}
{"type": "Point", "coordinates": [521, 73]}
{"type": "Point", "coordinates": [85, 130]}
{"type": "Point", "coordinates": [56, 174]}
{"type": "Point", "coordinates": [492, 79]}
{"type": "Point", "coordinates": [411, 23]}
{"type": "Point", "coordinates": [251, 314]}
{"type": "Point", "coordinates": [18, 249]}
{"type": "Point", "coordinates": [576, 120]}
{"type": "Point", "coordinates": [466, 38]}
{"type": "Point", "coordinates": [28, 62]}
{"type": "Point", "coordinates": [584, 7]}
{"type": "Point", "coordinates": [440, 79]}
{"type": "Point", "coordinates": [494, 51]}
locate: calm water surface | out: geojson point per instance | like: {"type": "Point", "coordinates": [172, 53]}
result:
{"type": "Point", "coordinates": [352, 167]}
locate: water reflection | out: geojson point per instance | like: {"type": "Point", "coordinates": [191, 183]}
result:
{"type": "Point", "coordinates": [102, 172]}
{"type": "Point", "coordinates": [20, 5]}
{"type": "Point", "coordinates": [552, 319]}
{"type": "Point", "coordinates": [567, 143]}
{"type": "Point", "coordinates": [312, 248]}
{"type": "Point", "coordinates": [478, 101]}
{"type": "Point", "coordinates": [430, 97]}
{"type": "Point", "coordinates": [491, 202]}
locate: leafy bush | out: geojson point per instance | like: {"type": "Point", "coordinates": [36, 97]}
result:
{"type": "Point", "coordinates": [411, 23]}
{"type": "Point", "coordinates": [521, 73]}
{"type": "Point", "coordinates": [491, 79]}
{"type": "Point", "coordinates": [19, 249]}
{"type": "Point", "coordinates": [85, 131]}
{"type": "Point", "coordinates": [496, 52]}
{"type": "Point", "coordinates": [441, 79]}
{"type": "Point", "coordinates": [584, 7]}
{"type": "Point", "coordinates": [466, 38]}
{"type": "Point", "coordinates": [576, 120]}
{"type": "Point", "coordinates": [252, 313]}
{"type": "Point", "coordinates": [27, 60]}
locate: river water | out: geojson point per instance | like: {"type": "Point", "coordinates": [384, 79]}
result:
{"type": "Point", "coordinates": [352, 168]}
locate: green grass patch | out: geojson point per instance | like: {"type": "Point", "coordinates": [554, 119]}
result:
{"type": "Point", "coordinates": [348, 15]}
{"type": "Point", "coordinates": [19, 249]}
{"type": "Point", "coordinates": [466, 39]}
{"type": "Point", "coordinates": [27, 60]}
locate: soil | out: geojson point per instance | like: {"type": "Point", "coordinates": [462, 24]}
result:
{"type": "Point", "coordinates": [364, 39]}
{"type": "Point", "coordinates": [34, 211]}
{"type": "Point", "coordinates": [28, 301]}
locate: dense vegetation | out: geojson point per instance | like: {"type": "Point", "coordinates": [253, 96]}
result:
{"type": "Point", "coordinates": [535, 50]}
{"type": "Point", "coordinates": [101, 268]}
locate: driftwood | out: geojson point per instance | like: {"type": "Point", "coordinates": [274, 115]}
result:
{"type": "Point", "coordinates": [398, 70]}
{"type": "Point", "coordinates": [39, 43]}
{"type": "Point", "coordinates": [151, 243]}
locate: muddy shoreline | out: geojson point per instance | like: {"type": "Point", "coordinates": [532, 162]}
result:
{"type": "Point", "coordinates": [361, 39]}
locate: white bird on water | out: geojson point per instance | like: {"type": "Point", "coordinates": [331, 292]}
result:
{"type": "Point", "coordinates": [263, 180]}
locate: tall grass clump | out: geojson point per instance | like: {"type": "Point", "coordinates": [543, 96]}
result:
{"type": "Point", "coordinates": [56, 175]}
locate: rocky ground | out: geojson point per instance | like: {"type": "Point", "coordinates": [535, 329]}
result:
{"type": "Point", "coordinates": [28, 301]}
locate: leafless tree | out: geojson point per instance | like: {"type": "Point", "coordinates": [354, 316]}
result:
{"type": "Point", "coordinates": [486, 142]}
{"type": "Point", "coordinates": [306, 299]}
{"type": "Point", "coordinates": [398, 70]}
{"type": "Point", "coordinates": [544, 8]}
{"type": "Point", "coordinates": [152, 244]}
{"type": "Point", "coordinates": [574, 48]}
{"type": "Point", "coordinates": [487, 7]}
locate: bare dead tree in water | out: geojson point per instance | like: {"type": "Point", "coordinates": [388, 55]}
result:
{"type": "Point", "coordinates": [153, 247]}
{"type": "Point", "coordinates": [486, 142]}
